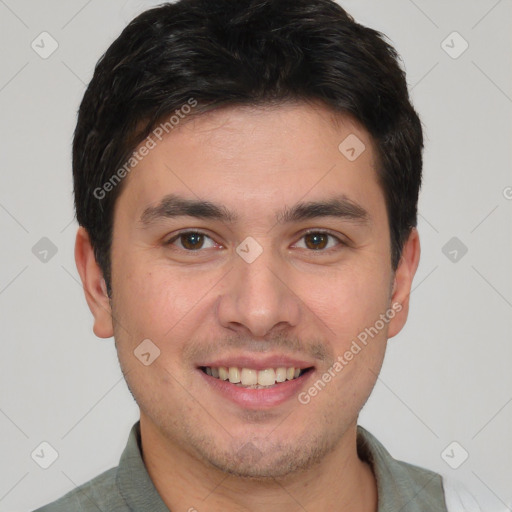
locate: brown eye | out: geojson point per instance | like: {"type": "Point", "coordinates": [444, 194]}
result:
{"type": "Point", "coordinates": [191, 241]}
{"type": "Point", "coordinates": [316, 240]}
{"type": "Point", "coordinates": [319, 240]}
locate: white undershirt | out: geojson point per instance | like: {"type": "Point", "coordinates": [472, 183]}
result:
{"type": "Point", "coordinates": [458, 498]}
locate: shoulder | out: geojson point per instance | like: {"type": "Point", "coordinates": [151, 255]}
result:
{"type": "Point", "coordinates": [100, 493]}
{"type": "Point", "coordinates": [401, 485]}
{"type": "Point", "coordinates": [409, 483]}
{"type": "Point", "coordinates": [453, 493]}
{"type": "Point", "coordinates": [387, 468]}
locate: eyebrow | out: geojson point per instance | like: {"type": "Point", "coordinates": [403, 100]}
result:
{"type": "Point", "coordinates": [340, 207]}
{"type": "Point", "coordinates": [172, 206]}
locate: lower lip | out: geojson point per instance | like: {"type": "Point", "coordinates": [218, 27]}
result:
{"type": "Point", "coordinates": [258, 398]}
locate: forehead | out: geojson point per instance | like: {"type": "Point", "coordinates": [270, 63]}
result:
{"type": "Point", "coordinates": [257, 158]}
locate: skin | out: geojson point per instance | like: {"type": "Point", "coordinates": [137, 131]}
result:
{"type": "Point", "coordinates": [293, 300]}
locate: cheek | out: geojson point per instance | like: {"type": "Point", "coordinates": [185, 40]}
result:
{"type": "Point", "coordinates": [161, 303]}
{"type": "Point", "coordinates": [347, 300]}
{"type": "Point", "coordinates": [350, 301]}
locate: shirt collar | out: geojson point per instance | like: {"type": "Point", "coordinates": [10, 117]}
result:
{"type": "Point", "coordinates": [397, 488]}
{"type": "Point", "coordinates": [133, 479]}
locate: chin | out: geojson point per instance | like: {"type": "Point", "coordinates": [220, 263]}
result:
{"type": "Point", "coordinates": [266, 461]}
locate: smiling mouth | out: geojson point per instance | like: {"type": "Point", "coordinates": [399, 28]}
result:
{"type": "Point", "coordinates": [255, 379]}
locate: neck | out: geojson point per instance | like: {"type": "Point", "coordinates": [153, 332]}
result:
{"type": "Point", "coordinates": [341, 481]}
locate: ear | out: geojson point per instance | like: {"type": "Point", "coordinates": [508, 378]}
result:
{"type": "Point", "coordinates": [403, 281]}
{"type": "Point", "coordinates": [94, 285]}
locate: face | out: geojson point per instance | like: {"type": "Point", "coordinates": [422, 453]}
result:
{"type": "Point", "coordinates": [248, 247]}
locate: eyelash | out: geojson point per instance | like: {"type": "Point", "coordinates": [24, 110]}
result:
{"type": "Point", "coordinates": [309, 232]}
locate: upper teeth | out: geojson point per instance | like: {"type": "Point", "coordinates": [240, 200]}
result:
{"type": "Point", "coordinates": [250, 377]}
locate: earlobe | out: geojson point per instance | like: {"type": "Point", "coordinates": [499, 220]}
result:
{"type": "Point", "coordinates": [402, 283]}
{"type": "Point", "coordinates": [93, 284]}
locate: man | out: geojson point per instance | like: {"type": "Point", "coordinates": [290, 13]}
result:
{"type": "Point", "coordinates": [246, 177]}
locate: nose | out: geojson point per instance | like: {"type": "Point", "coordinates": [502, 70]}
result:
{"type": "Point", "coordinates": [258, 298]}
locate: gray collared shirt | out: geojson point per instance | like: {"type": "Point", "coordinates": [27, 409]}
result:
{"type": "Point", "coordinates": [401, 487]}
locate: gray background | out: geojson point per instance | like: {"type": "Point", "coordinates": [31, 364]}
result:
{"type": "Point", "coordinates": [447, 375]}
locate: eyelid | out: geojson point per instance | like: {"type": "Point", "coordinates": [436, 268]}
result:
{"type": "Point", "coordinates": [322, 231]}
{"type": "Point", "coordinates": [186, 231]}
{"type": "Point", "coordinates": [308, 231]}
